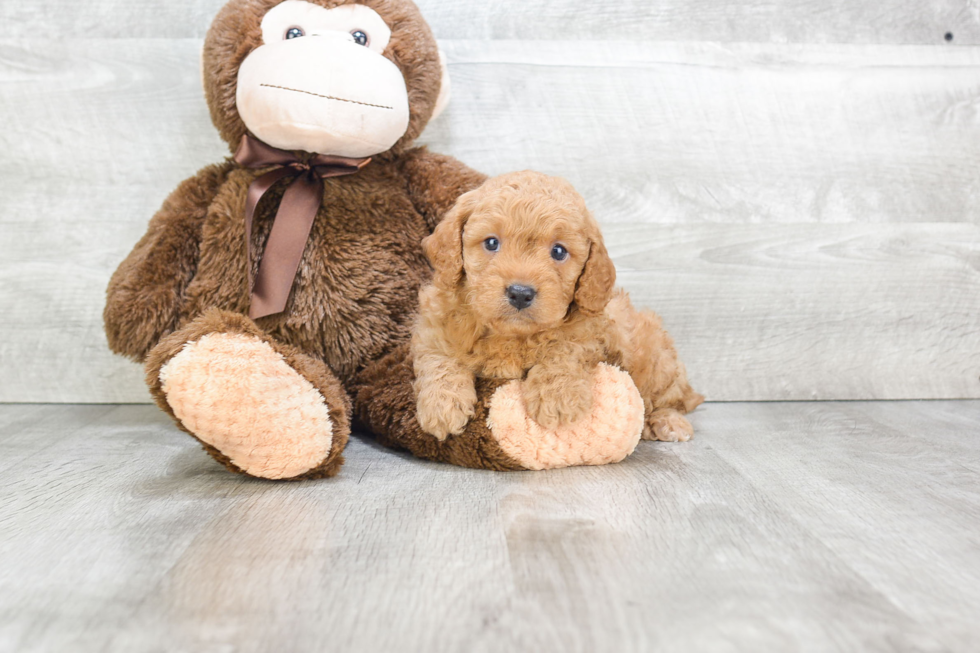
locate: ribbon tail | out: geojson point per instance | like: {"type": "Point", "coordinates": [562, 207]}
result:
{"type": "Point", "coordinates": [287, 241]}
{"type": "Point", "coordinates": [256, 190]}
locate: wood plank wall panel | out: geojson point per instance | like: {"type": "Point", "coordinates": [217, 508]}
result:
{"type": "Point", "coordinates": [775, 21]}
{"type": "Point", "coordinates": [97, 134]}
{"type": "Point", "coordinates": [808, 311]}
{"type": "Point", "coordinates": [693, 133]}
{"type": "Point", "coordinates": [802, 216]}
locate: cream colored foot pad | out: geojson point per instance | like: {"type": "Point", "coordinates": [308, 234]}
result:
{"type": "Point", "coordinates": [607, 435]}
{"type": "Point", "coordinates": [237, 394]}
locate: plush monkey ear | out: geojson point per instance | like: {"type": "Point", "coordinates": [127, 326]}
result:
{"type": "Point", "coordinates": [443, 98]}
{"type": "Point", "coordinates": [444, 248]}
{"type": "Point", "coordinates": [595, 284]}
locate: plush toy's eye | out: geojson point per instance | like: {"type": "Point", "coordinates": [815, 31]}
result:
{"type": "Point", "coordinates": [559, 253]}
{"type": "Point", "coordinates": [294, 33]}
{"type": "Point", "coordinates": [359, 37]}
{"type": "Point", "coordinates": [491, 244]}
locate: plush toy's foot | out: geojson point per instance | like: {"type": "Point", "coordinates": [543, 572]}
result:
{"type": "Point", "coordinates": [238, 395]}
{"type": "Point", "coordinates": [257, 406]}
{"type": "Point", "coordinates": [501, 436]}
{"type": "Point", "coordinates": [667, 425]}
{"type": "Point", "coordinates": [606, 435]}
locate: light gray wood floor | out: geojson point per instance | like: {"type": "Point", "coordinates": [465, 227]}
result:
{"type": "Point", "coordinates": [781, 527]}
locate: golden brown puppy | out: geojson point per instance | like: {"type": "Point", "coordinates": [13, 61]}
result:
{"type": "Point", "coordinates": [523, 289]}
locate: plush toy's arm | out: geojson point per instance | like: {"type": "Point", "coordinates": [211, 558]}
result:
{"type": "Point", "coordinates": [145, 293]}
{"type": "Point", "coordinates": [435, 182]}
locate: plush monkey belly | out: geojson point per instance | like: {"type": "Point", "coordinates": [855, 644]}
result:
{"type": "Point", "coordinates": [267, 396]}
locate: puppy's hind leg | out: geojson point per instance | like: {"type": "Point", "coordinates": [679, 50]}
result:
{"type": "Point", "coordinates": [640, 344]}
{"type": "Point", "coordinates": [667, 425]}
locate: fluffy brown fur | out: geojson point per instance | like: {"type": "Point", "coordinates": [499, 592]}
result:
{"type": "Point", "coordinates": [469, 329]}
{"type": "Point", "coordinates": [355, 294]}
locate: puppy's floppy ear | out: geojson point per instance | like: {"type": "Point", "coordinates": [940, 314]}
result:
{"type": "Point", "coordinates": [444, 248]}
{"type": "Point", "coordinates": [595, 284]}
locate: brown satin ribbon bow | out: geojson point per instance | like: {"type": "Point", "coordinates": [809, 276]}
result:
{"type": "Point", "coordinates": [294, 217]}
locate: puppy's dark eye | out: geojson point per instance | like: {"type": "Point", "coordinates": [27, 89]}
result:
{"type": "Point", "coordinates": [491, 244]}
{"type": "Point", "coordinates": [294, 33]}
{"type": "Point", "coordinates": [559, 253]}
{"type": "Point", "coordinates": [359, 37]}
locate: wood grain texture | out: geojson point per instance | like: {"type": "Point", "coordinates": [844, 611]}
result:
{"type": "Point", "coordinates": [786, 21]}
{"type": "Point", "coordinates": [811, 311]}
{"type": "Point", "coordinates": [692, 133]}
{"type": "Point", "coordinates": [878, 477]}
{"type": "Point", "coordinates": [99, 134]}
{"type": "Point", "coordinates": [780, 527]}
{"type": "Point", "coordinates": [804, 148]}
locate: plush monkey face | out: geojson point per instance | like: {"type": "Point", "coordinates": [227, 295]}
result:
{"type": "Point", "coordinates": [320, 83]}
{"type": "Point", "coordinates": [321, 75]}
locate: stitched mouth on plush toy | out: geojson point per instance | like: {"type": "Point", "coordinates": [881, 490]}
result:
{"type": "Point", "coordinates": [328, 97]}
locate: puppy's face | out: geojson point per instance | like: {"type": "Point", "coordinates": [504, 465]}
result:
{"type": "Point", "coordinates": [521, 262]}
{"type": "Point", "coordinates": [520, 250]}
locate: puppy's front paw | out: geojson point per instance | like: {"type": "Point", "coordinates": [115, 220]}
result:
{"type": "Point", "coordinates": [556, 402]}
{"type": "Point", "coordinates": [442, 411]}
{"type": "Point", "coordinates": [667, 426]}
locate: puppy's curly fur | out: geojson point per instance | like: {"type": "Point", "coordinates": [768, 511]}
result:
{"type": "Point", "coordinates": [532, 231]}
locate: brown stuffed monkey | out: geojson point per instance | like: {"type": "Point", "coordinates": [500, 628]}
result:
{"type": "Point", "coordinates": [272, 297]}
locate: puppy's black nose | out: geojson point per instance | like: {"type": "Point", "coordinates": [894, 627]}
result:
{"type": "Point", "coordinates": [520, 297]}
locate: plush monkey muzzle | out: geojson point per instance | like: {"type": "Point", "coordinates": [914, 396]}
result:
{"type": "Point", "coordinates": [320, 83]}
